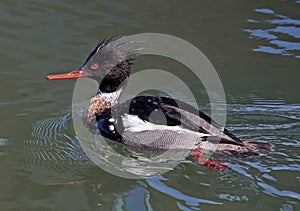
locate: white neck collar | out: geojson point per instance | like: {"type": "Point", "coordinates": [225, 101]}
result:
{"type": "Point", "coordinates": [111, 97]}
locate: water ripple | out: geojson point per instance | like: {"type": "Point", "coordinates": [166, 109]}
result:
{"type": "Point", "coordinates": [49, 146]}
{"type": "Point", "coordinates": [156, 183]}
{"type": "Point", "coordinates": [274, 191]}
{"type": "Point", "coordinates": [281, 32]}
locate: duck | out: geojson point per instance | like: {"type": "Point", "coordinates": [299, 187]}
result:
{"type": "Point", "coordinates": [177, 125]}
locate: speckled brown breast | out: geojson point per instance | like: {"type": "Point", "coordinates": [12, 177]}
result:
{"type": "Point", "coordinates": [95, 105]}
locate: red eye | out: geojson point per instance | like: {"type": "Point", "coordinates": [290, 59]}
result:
{"type": "Point", "coordinates": [94, 66]}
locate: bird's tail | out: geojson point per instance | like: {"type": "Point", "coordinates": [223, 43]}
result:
{"type": "Point", "coordinates": [250, 148]}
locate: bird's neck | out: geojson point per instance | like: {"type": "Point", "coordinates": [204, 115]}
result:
{"type": "Point", "coordinates": [97, 104]}
{"type": "Point", "coordinates": [109, 97]}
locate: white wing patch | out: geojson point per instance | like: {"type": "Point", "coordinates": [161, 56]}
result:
{"type": "Point", "coordinates": [133, 123]}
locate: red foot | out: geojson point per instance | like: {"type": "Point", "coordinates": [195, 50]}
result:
{"type": "Point", "coordinates": [218, 166]}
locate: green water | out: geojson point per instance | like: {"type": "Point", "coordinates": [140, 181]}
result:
{"type": "Point", "coordinates": [253, 45]}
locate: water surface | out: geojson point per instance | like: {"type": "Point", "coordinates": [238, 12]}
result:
{"type": "Point", "coordinates": [254, 46]}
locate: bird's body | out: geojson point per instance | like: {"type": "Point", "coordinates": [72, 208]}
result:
{"type": "Point", "coordinates": [149, 121]}
{"type": "Point", "coordinates": [163, 123]}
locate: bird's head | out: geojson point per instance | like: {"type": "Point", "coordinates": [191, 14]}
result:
{"type": "Point", "coordinates": [109, 63]}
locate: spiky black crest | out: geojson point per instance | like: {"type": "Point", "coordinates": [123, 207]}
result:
{"type": "Point", "coordinates": [100, 45]}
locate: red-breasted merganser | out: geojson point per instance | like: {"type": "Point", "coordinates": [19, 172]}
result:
{"type": "Point", "coordinates": [130, 122]}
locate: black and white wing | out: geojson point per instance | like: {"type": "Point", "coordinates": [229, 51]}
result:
{"type": "Point", "coordinates": [161, 122]}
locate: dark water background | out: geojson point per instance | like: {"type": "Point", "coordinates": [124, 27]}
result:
{"type": "Point", "coordinates": [255, 48]}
